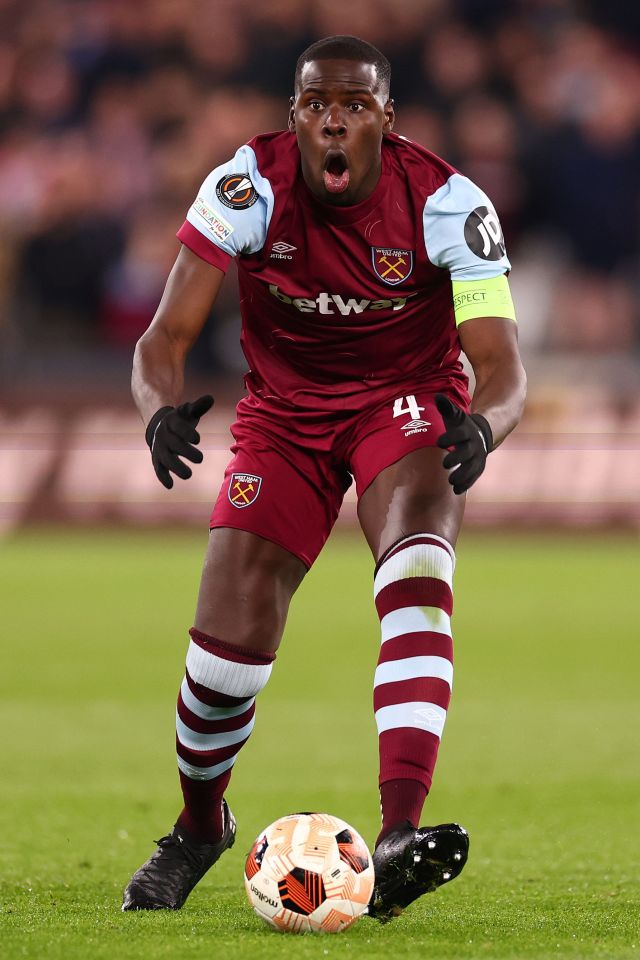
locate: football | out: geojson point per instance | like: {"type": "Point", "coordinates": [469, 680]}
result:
{"type": "Point", "coordinates": [309, 872]}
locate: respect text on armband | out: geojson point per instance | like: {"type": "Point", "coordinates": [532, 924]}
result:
{"type": "Point", "coordinates": [335, 303]}
{"type": "Point", "coordinates": [468, 297]}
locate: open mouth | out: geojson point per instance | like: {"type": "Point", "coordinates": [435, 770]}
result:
{"type": "Point", "coordinates": [336, 173]}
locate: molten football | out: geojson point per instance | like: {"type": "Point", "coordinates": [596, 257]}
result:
{"type": "Point", "coordinates": [309, 872]}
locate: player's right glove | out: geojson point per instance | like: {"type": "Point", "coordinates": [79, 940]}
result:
{"type": "Point", "coordinates": [470, 437]}
{"type": "Point", "coordinates": [170, 434]}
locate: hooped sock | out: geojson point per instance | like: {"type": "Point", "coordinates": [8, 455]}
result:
{"type": "Point", "coordinates": [412, 687]}
{"type": "Point", "coordinates": [215, 717]}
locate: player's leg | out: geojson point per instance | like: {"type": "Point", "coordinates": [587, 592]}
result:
{"type": "Point", "coordinates": [246, 587]}
{"type": "Point", "coordinates": [247, 584]}
{"type": "Point", "coordinates": [411, 519]}
{"type": "Point", "coordinates": [269, 523]}
{"type": "Point", "coordinates": [411, 495]}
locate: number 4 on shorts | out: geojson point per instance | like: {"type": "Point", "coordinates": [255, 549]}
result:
{"type": "Point", "coordinates": [411, 408]}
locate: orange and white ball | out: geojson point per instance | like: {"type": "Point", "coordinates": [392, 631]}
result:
{"type": "Point", "coordinates": [309, 872]}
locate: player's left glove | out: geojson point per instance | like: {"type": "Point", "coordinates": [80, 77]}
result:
{"type": "Point", "coordinates": [171, 433]}
{"type": "Point", "coordinates": [472, 441]}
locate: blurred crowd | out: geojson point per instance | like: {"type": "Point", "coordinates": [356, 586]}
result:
{"type": "Point", "coordinates": [112, 112]}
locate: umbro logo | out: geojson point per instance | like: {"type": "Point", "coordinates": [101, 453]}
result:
{"type": "Point", "coordinates": [413, 408]}
{"type": "Point", "coordinates": [282, 250]}
{"type": "Point", "coordinates": [429, 718]}
{"type": "Point", "coordinates": [415, 426]}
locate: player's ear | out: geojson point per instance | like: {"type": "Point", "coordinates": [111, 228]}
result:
{"type": "Point", "coordinates": [292, 116]}
{"type": "Point", "coordinates": [389, 116]}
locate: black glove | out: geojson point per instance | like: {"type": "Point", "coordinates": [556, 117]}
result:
{"type": "Point", "coordinates": [170, 434]}
{"type": "Point", "coordinates": [472, 441]}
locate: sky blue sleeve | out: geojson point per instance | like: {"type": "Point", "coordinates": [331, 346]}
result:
{"type": "Point", "coordinates": [462, 233]}
{"type": "Point", "coordinates": [234, 205]}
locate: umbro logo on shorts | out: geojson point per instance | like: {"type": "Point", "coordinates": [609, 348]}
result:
{"type": "Point", "coordinates": [244, 489]}
{"type": "Point", "coordinates": [416, 426]}
{"type": "Point", "coordinates": [409, 405]}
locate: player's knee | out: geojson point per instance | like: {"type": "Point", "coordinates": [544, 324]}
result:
{"type": "Point", "coordinates": [430, 511]}
{"type": "Point", "coordinates": [245, 592]}
{"type": "Point", "coordinates": [252, 614]}
{"type": "Point", "coordinates": [247, 609]}
{"type": "Point", "coordinates": [420, 503]}
{"type": "Point", "coordinates": [261, 624]}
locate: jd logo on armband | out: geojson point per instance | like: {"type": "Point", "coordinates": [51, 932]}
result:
{"type": "Point", "coordinates": [483, 234]}
{"type": "Point", "coordinates": [244, 489]}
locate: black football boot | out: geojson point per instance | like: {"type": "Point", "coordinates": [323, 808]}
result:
{"type": "Point", "coordinates": [167, 878]}
{"type": "Point", "coordinates": [410, 862]}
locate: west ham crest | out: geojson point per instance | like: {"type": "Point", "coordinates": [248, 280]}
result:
{"type": "Point", "coordinates": [392, 266]}
{"type": "Point", "coordinates": [244, 489]}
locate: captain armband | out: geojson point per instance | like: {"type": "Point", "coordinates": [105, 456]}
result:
{"type": "Point", "coordinates": [482, 298]}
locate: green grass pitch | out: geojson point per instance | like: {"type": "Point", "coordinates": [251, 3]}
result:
{"type": "Point", "coordinates": [539, 758]}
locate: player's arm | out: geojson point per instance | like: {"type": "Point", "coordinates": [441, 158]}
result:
{"type": "Point", "coordinates": [160, 354]}
{"type": "Point", "coordinates": [223, 222]}
{"type": "Point", "coordinates": [158, 366]}
{"type": "Point", "coordinates": [220, 225]}
{"type": "Point", "coordinates": [491, 346]}
{"type": "Point", "coordinates": [463, 235]}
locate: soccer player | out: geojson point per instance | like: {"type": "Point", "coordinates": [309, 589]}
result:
{"type": "Point", "coordinates": [366, 265]}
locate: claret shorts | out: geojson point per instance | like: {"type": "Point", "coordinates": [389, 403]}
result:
{"type": "Point", "coordinates": [289, 473]}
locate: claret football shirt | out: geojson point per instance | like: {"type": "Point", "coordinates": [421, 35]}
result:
{"type": "Point", "coordinates": [339, 301]}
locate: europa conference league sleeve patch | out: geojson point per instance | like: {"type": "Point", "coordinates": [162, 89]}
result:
{"type": "Point", "coordinates": [234, 206]}
{"type": "Point", "coordinates": [236, 191]}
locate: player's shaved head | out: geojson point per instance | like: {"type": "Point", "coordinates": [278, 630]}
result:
{"type": "Point", "coordinates": [347, 48]}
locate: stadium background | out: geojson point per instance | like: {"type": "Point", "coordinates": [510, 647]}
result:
{"type": "Point", "coordinates": [111, 113]}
